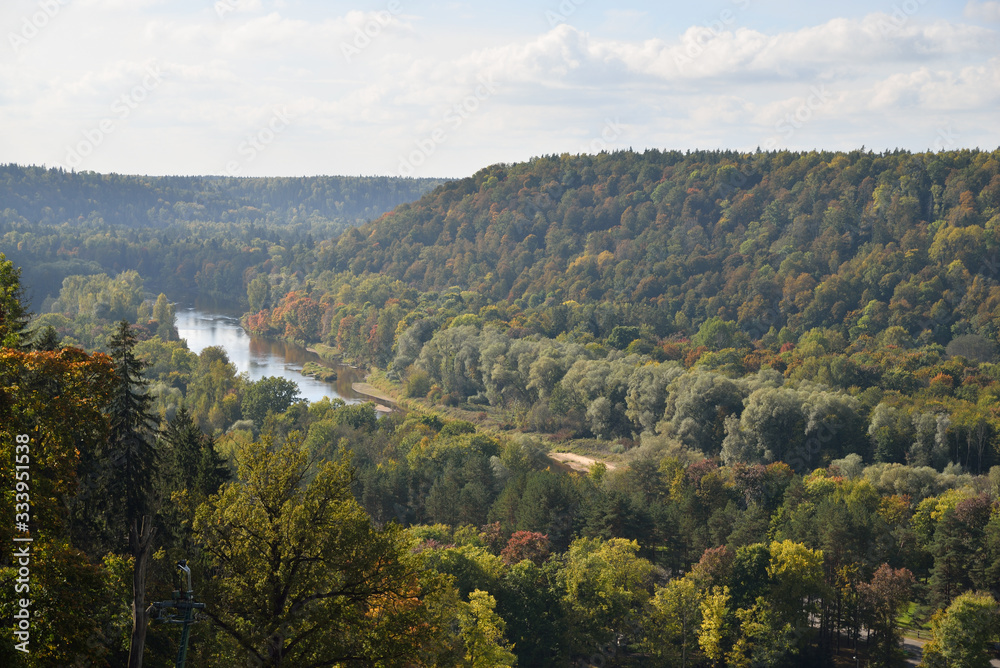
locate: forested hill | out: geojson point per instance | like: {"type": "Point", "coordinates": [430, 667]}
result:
{"type": "Point", "coordinates": [182, 234]}
{"type": "Point", "coordinates": [565, 295]}
{"type": "Point", "coordinates": [802, 240]}
{"type": "Point", "coordinates": [54, 195]}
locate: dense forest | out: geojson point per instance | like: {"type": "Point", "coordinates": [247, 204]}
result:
{"type": "Point", "coordinates": [606, 296]}
{"type": "Point", "coordinates": [184, 235]}
{"type": "Point", "coordinates": [783, 366]}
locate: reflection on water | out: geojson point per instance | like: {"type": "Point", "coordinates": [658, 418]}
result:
{"type": "Point", "coordinates": [261, 357]}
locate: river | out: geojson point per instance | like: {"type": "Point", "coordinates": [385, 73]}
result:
{"type": "Point", "coordinates": [204, 325]}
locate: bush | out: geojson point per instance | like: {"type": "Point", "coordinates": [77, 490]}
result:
{"type": "Point", "coordinates": [418, 384]}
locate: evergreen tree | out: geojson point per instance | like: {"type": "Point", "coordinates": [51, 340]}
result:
{"type": "Point", "coordinates": [189, 458]}
{"type": "Point", "coordinates": [130, 443]}
{"type": "Point", "coordinates": [13, 315]}
{"type": "Point", "coordinates": [191, 471]}
{"type": "Point", "coordinates": [133, 459]}
{"type": "Point", "coordinates": [47, 340]}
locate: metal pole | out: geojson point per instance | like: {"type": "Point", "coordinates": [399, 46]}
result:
{"type": "Point", "coordinates": [188, 614]}
{"type": "Point", "coordinates": [180, 602]}
{"type": "Point", "coordinates": [185, 634]}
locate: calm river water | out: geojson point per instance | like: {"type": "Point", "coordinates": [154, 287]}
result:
{"type": "Point", "coordinates": [203, 327]}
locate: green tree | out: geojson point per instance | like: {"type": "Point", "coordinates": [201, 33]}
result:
{"type": "Point", "coordinates": [716, 333]}
{"type": "Point", "coordinates": [131, 448]}
{"type": "Point", "coordinates": [482, 631]}
{"type": "Point", "coordinates": [128, 483]}
{"type": "Point", "coordinates": [47, 339]}
{"type": "Point", "coordinates": [165, 317]}
{"type": "Point", "coordinates": [764, 640]}
{"type": "Point", "coordinates": [301, 574]}
{"type": "Point", "coordinates": [13, 315]}
{"type": "Point", "coordinates": [271, 394]}
{"type": "Point", "coordinates": [963, 633]}
{"type": "Point", "coordinates": [189, 458]}
{"type": "Point", "coordinates": [528, 599]}
{"type": "Point", "coordinates": [622, 335]}
{"type": "Point", "coordinates": [750, 577]}
{"type": "Point", "coordinates": [606, 585]}
{"type": "Point", "coordinates": [258, 293]}
{"type": "Point", "coordinates": [671, 623]}
{"type": "Point", "coordinates": [699, 403]}
{"type": "Point", "coordinates": [771, 428]}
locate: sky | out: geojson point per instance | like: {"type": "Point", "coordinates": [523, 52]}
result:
{"type": "Point", "coordinates": [442, 89]}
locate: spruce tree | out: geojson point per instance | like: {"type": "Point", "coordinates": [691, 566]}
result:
{"type": "Point", "coordinates": [13, 315]}
{"type": "Point", "coordinates": [133, 466]}
{"type": "Point", "coordinates": [130, 444]}
{"type": "Point", "coordinates": [47, 340]}
{"type": "Point", "coordinates": [189, 458]}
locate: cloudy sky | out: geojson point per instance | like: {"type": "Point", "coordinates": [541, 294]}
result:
{"type": "Point", "coordinates": [415, 87]}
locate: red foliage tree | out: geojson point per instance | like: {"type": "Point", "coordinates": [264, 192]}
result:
{"type": "Point", "coordinates": [529, 545]}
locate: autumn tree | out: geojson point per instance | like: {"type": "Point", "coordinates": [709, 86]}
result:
{"type": "Point", "coordinates": [52, 404]}
{"type": "Point", "coordinates": [301, 575]}
{"type": "Point", "coordinates": [57, 399]}
{"type": "Point", "coordinates": [529, 545]}
{"type": "Point", "coordinates": [883, 599]}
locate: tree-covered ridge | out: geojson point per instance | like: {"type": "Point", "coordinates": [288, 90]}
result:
{"type": "Point", "coordinates": [743, 305]}
{"type": "Point", "coordinates": [802, 240]}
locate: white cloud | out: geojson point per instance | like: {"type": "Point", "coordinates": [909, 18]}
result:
{"type": "Point", "coordinates": [261, 36]}
{"type": "Point", "coordinates": [969, 88]}
{"type": "Point", "coordinates": [555, 90]}
{"type": "Point", "coordinates": [983, 11]}
{"type": "Point", "coordinates": [566, 56]}
{"type": "Point", "coordinates": [117, 5]}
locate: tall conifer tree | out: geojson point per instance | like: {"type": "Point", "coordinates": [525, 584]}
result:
{"type": "Point", "coordinates": [13, 315]}
{"type": "Point", "coordinates": [132, 471]}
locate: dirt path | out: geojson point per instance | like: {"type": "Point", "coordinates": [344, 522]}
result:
{"type": "Point", "coordinates": [371, 391]}
{"type": "Point", "coordinates": [578, 462]}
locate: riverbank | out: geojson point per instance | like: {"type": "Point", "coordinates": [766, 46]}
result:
{"type": "Point", "coordinates": [260, 357]}
{"type": "Point", "coordinates": [571, 456]}
{"type": "Point", "coordinates": [371, 391]}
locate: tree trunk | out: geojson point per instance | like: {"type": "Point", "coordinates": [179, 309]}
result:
{"type": "Point", "coordinates": [140, 542]}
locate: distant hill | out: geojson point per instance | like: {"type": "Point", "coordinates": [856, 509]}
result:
{"type": "Point", "coordinates": [182, 234]}
{"type": "Point", "coordinates": [53, 196]}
